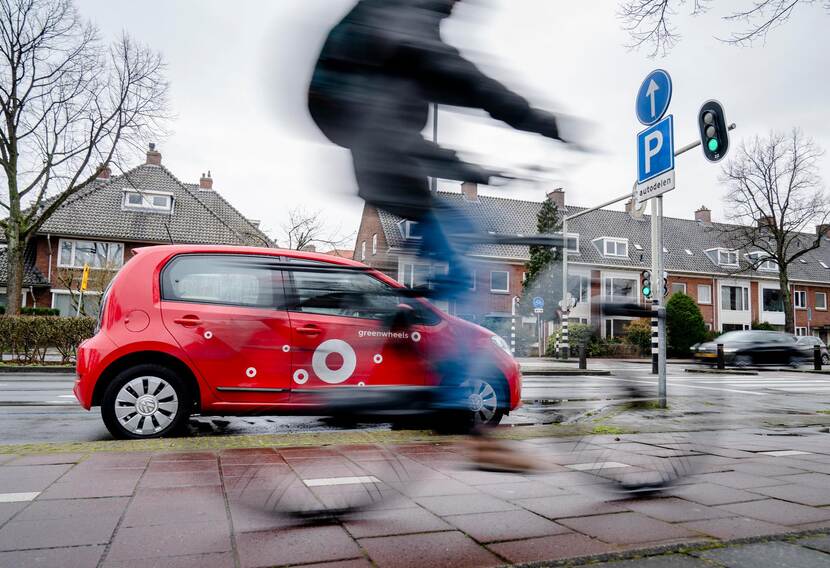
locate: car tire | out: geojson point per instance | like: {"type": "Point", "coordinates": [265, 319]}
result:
{"type": "Point", "coordinates": [825, 359]}
{"type": "Point", "coordinates": [146, 401]}
{"type": "Point", "coordinates": [743, 361]}
{"type": "Point", "coordinates": [486, 400]}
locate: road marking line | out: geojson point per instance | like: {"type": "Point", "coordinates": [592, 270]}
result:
{"type": "Point", "coordinates": [593, 466]}
{"type": "Point", "coordinates": [782, 453]}
{"type": "Point", "coordinates": [329, 481]}
{"type": "Point", "coordinates": [66, 396]}
{"type": "Point", "coordinates": [17, 497]}
{"type": "Point", "coordinates": [654, 383]}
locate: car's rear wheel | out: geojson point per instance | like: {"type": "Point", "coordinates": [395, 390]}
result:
{"type": "Point", "coordinates": [743, 361]}
{"type": "Point", "coordinates": [145, 401]}
{"type": "Point", "coordinates": [825, 359]}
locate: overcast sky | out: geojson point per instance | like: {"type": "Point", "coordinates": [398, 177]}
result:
{"type": "Point", "coordinates": [239, 72]}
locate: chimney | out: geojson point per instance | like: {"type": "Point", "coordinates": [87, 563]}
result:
{"type": "Point", "coordinates": [309, 248]}
{"type": "Point", "coordinates": [254, 222]}
{"type": "Point", "coordinates": [557, 196]}
{"type": "Point", "coordinates": [765, 221]}
{"type": "Point", "coordinates": [153, 157]}
{"type": "Point", "coordinates": [703, 215]}
{"type": "Point", "coordinates": [105, 173]}
{"type": "Point", "coordinates": [470, 191]}
{"type": "Point", "coordinates": [206, 182]}
{"type": "Point", "coordinates": [633, 211]}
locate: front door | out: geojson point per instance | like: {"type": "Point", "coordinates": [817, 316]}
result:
{"type": "Point", "coordinates": [227, 314]}
{"type": "Point", "coordinates": [343, 335]}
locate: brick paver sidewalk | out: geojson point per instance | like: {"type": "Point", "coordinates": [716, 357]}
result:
{"type": "Point", "coordinates": [209, 509]}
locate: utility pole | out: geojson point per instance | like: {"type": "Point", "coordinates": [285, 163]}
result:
{"type": "Point", "coordinates": [434, 181]}
{"type": "Point", "coordinates": [565, 306]}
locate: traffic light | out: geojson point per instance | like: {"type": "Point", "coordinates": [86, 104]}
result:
{"type": "Point", "coordinates": [714, 132]}
{"type": "Point", "coordinates": [645, 278]}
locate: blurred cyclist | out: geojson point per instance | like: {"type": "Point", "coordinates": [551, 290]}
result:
{"type": "Point", "coordinates": [380, 69]}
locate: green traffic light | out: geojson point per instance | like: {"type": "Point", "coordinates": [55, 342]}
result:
{"type": "Point", "coordinates": [646, 291]}
{"type": "Point", "coordinates": [713, 145]}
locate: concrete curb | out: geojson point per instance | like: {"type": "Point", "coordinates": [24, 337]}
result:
{"type": "Point", "coordinates": [565, 372]}
{"type": "Point", "coordinates": [36, 370]}
{"type": "Point", "coordinates": [721, 371]}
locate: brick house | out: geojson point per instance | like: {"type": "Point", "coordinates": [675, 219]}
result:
{"type": "Point", "coordinates": [102, 224]}
{"type": "Point", "coordinates": [608, 252]}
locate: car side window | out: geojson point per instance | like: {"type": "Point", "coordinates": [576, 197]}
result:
{"type": "Point", "coordinates": [234, 280]}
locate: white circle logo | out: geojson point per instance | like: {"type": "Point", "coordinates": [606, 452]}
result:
{"type": "Point", "coordinates": [286, 348]}
{"type": "Point", "coordinates": [251, 372]}
{"type": "Point", "coordinates": [361, 384]}
{"type": "Point", "coordinates": [416, 336]}
{"type": "Point", "coordinates": [301, 376]}
{"type": "Point", "coordinates": [378, 359]}
{"type": "Point", "coordinates": [321, 367]}
{"type": "Point", "coordinates": [208, 334]}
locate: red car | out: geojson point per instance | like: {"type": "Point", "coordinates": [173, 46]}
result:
{"type": "Point", "coordinates": [222, 330]}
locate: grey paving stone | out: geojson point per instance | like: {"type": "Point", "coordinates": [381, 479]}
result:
{"type": "Point", "coordinates": [819, 543]}
{"type": "Point", "coordinates": [667, 561]}
{"type": "Point", "coordinates": [779, 512]}
{"type": "Point", "coordinates": [768, 555]}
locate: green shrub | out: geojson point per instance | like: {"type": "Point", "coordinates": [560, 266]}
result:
{"type": "Point", "coordinates": [763, 326]}
{"type": "Point", "coordinates": [684, 323]}
{"type": "Point", "coordinates": [577, 333]}
{"type": "Point", "coordinates": [2, 310]}
{"type": "Point", "coordinates": [27, 338]}
{"type": "Point", "coordinates": [29, 311]}
{"type": "Point", "coordinates": [638, 335]}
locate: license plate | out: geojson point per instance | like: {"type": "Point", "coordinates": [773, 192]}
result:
{"type": "Point", "coordinates": [707, 355]}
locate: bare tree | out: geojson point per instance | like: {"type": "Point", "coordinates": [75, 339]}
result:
{"type": "Point", "coordinates": [305, 228]}
{"type": "Point", "coordinates": [775, 197]}
{"type": "Point", "coordinates": [70, 106]}
{"type": "Point", "coordinates": [648, 22]}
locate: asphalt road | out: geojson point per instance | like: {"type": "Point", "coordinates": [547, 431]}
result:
{"type": "Point", "coordinates": [42, 408]}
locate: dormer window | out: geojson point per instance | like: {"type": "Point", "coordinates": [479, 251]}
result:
{"type": "Point", "coordinates": [148, 201]}
{"type": "Point", "coordinates": [758, 260]}
{"type": "Point", "coordinates": [723, 257]}
{"type": "Point", "coordinates": [409, 229]}
{"type": "Point", "coordinates": [610, 246]}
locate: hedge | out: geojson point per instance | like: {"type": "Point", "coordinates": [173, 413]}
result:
{"type": "Point", "coordinates": [27, 338]}
{"type": "Point", "coordinates": [29, 311]}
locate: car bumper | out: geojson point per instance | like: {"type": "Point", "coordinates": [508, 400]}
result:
{"type": "Point", "coordinates": [90, 363]}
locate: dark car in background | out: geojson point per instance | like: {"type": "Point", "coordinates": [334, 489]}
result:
{"type": "Point", "coordinates": [753, 348]}
{"type": "Point", "coordinates": [807, 344]}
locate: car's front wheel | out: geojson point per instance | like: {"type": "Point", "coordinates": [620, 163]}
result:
{"type": "Point", "coordinates": [145, 401]}
{"type": "Point", "coordinates": [485, 401]}
{"type": "Point", "coordinates": [825, 359]}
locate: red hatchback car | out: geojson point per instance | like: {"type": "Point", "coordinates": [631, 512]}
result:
{"type": "Point", "coordinates": [222, 330]}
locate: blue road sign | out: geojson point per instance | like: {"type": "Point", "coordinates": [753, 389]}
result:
{"type": "Point", "coordinates": [655, 150]}
{"type": "Point", "coordinates": [538, 302]}
{"type": "Point", "coordinates": [654, 97]}
{"type": "Point", "coordinates": [655, 161]}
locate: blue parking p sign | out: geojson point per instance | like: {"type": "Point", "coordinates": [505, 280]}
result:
{"type": "Point", "coordinates": [655, 160]}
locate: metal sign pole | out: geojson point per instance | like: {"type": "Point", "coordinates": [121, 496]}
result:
{"type": "Point", "coordinates": [661, 319]}
{"type": "Point", "coordinates": [564, 305]}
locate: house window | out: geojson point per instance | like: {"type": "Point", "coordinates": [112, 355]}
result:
{"type": "Point", "coordinates": [572, 242]}
{"type": "Point", "coordinates": [148, 201]}
{"type": "Point", "coordinates": [821, 300]}
{"type": "Point", "coordinates": [500, 281]}
{"type": "Point", "coordinates": [620, 289]}
{"type": "Point", "coordinates": [727, 257]}
{"type": "Point", "coordinates": [800, 299]}
{"type": "Point", "coordinates": [374, 244]}
{"type": "Point", "coordinates": [615, 247]}
{"type": "Point", "coordinates": [678, 287]}
{"type": "Point", "coordinates": [704, 294]}
{"type": "Point", "coordinates": [758, 259]}
{"type": "Point", "coordinates": [801, 331]}
{"type": "Point", "coordinates": [735, 298]}
{"type": "Point", "coordinates": [75, 254]}
{"type": "Point", "coordinates": [66, 303]}
{"type": "Point", "coordinates": [414, 275]}
{"type": "Point", "coordinates": [409, 229]}
{"type": "Point", "coordinates": [473, 276]}
{"type": "Point", "coordinates": [363, 250]}
{"type": "Point", "coordinates": [616, 327]}
{"type": "Point", "coordinates": [773, 300]}
{"type": "Point", "coordinates": [579, 287]}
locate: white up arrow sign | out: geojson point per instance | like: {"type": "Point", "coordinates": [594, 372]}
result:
{"type": "Point", "coordinates": [653, 87]}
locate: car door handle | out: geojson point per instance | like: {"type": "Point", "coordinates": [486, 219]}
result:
{"type": "Point", "coordinates": [309, 330]}
{"type": "Point", "coordinates": [188, 321]}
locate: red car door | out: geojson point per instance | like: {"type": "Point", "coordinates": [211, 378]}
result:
{"type": "Point", "coordinates": [342, 333]}
{"type": "Point", "coordinates": [227, 314]}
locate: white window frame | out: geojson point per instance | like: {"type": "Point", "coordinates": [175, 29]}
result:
{"type": "Point", "coordinates": [64, 292]}
{"type": "Point", "coordinates": [685, 287]}
{"type": "Point", "coordinates": [147, 202]}
{"type": "Point", "coordinates": [616, 242]}
{"type": "Point", "coordinates": [766, 265]}
{"type": "Point", "coordinates": [474, 277]}
{"type": "Point", "coordinates": [363, 250]}
{"type": "Point", "coordinates": [608, 282]}
{"type": "Point", "coordinates": [746, 303]}
{"type": "Point", "coordinates": [374, 244]}
{"type": "Point", "coordinates": [571, 238]}
{"type": "Point", "coordinates": [729, 254]}
{"type": "Point", "coordinates": [704, 287]}
{"type": "Point", "coordinates": [800, 294]}
{"type": "Point", "coordinates": [72, 263]}
{"type": "Point", "coordinates": [801, 332]}
{"type": "Point", "coordinates": [405, 227]}
{"type": "Point", "coordinates": [500, 291]}
{"type": "Point", "coordinates": [824, 296]}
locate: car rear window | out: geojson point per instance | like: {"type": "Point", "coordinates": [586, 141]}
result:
{"type": "Point", "coordinates": [223, 279]}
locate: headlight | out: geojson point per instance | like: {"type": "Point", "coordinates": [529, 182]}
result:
{"type": "Point", "coordinates": [730, 349]}
{"type": "Point", "coordinates": [501, 344]}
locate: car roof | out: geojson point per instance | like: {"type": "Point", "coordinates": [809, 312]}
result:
{"type": "Point", "coordinates": [166, 250]}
